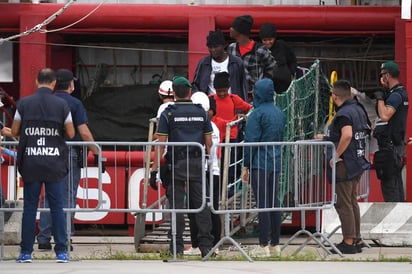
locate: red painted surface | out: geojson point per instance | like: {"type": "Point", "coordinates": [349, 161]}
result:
{"type": "Point", "coordinates": [192, 22]}
{"type": "Point", "coordinates": [33, 54]}
{"type": "Point", "coordinates": [113, 194]}
{"type": "Point", "coordinates": [152, 197]}
{"type": "Point", "coordinates": [137, 18]}
{"type": "Point", "coordinates": [375, 194]}
{"type": "Point", "coordinates": [403, 55]}
{"type": "Point", "coordinates": [198, 31]}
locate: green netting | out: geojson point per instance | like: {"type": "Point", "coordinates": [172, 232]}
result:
{"type": "Point", "coordinates": [305, 105]}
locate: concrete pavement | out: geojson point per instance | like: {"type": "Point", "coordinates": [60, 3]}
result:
{"type": "Point", "coordinates": [117, 255]}
{"type": "Point", "coordinates": [215, 267]}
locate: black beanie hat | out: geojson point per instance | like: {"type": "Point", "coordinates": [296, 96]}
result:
{"type": "Point", "coordinates": [221, 80]}
{"type": "Point", "coordinates": [243, 24]}
{"type": "Point", "coordinates": [215, 38]}
{"type": "Point", "coordinates": [267, 30]}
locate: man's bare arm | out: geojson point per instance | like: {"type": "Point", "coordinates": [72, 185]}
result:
{"type": "Point", "coordinates": [159, 150]}
{"type": "Point", "coordinates": [87, 136]}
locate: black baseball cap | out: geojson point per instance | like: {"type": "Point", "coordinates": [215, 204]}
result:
{"type": "Point", "coordinates": [64, 75]}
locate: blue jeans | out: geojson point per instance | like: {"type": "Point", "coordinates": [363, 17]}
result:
{"type": "Point", "coordinates": [2, 198]}
{"type": "Point", "coordinates": [71, 183]}
{"type": "Point", "coordinates": [265, 185]}
{"type": "Point", "coordinates": [54, 192]}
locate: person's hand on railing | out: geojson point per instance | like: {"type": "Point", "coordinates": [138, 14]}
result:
{"type": "Point", "coordinates": [96, 162]}
{"type": "Point", "coordinates": [152, 180]}
{"type": "Point", "coordinates": [319, 136]}
{"type": "Point", "coordinates": [241, 116]}
{"type": "Point", "coordinates": [9, 152]}
{"type": "Point", "coordinates": [245, 175]}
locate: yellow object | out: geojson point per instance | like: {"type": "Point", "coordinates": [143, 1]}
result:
{"type": "Point", "coordinates": [332, 111]}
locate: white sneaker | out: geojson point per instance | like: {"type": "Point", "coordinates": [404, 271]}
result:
{"type": "Point", "coordinates": [275, 250]}
{"type": "Point", "coordinates": [260, 252]}
{"type": "Point", "coordinates": [192, 251]}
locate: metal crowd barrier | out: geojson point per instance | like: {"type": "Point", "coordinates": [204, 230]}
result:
{"type": "Point", "coordinates": [122, 189]}
{"type": "Point", "coordinates": [302, 180]}
{"type": "Point", "coordinates": [187, 152]}
{"type": "Point", "coordinates": [302, 172]}
{"type": "Point", "coordinates": [91, 175]}
{"type": "Point", "coordinates": [363, 187]}
{"type": "Point", "coordinates": [7, 159]}
{"type": "Point", "coordinates": [364, 183]}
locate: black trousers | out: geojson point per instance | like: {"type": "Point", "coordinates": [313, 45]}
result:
{"type": "Point", "coordinates": [177, 193]}
{"type": "Point", "coordinates": [216, 223]}
{"type": "Point", "coordinates": [392, 188]}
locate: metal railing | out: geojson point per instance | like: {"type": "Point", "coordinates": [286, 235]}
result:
{"type": "Point", "coordinates": [126, 178]}
{"type": "Point", "coordinates": [305, 175]}
{"type": "Point", "coordinates": [13, 192]}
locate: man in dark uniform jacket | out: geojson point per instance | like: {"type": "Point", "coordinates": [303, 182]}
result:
{"type": "Point", "coordinates": [390, 129]}
{"type": "Point", "coordinates": [348, 131]}
{"type": "Point", "coordinates": [185, 122]}
{"type": "Point", "coordinates": [64, 88]}
{"type": "Point", "coordinates": [41, 121]}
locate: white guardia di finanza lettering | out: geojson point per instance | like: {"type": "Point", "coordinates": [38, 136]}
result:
{"type": "Point", "coordinates": [42, 151]}
{"type": "Point", "coordinates": [41, 131]}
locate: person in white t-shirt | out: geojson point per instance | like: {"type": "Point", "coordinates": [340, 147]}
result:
{"type": "Point", "coordinates": [219, 61]}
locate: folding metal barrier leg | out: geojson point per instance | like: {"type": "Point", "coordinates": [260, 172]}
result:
{"type": "Point", "coordinates": [173, 223]}
{"type": "Point", "coordinates": [325, 238]}
{"type": "Point", "coordinates": [301, 231]}
{"type": "Point", "coordinates": [311, 236]}
{"type": "Point", "coordinates": [227, 237]}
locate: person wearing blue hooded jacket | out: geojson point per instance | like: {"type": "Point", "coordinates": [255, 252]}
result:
{"type": "Point", "coordinates": [265, 124]}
